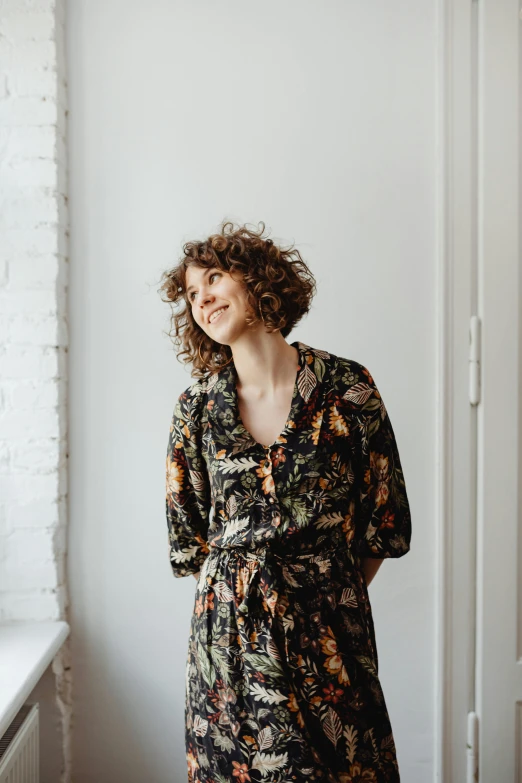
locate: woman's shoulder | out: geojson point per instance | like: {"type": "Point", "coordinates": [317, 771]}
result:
{"type": "Point", "coordinates": [351, 371]}
{"type": "Point", "coordinates": [351, 380]}
{"type": "Point", "coordinates": [343, 370]}
{"type": "Point", "coordinates": [190, 402]}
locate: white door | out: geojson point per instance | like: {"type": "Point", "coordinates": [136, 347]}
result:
{"type": "Point", "coordinates": [479, 719]}
{"type": "Point", "coordinates": [498, 681]}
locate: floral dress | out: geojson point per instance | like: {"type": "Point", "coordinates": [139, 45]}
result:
{"type": "Point", "coordinates": [282, 669]}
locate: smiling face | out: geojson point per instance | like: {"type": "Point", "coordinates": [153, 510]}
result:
{"type": "Point", "coordinates": [219, 303]}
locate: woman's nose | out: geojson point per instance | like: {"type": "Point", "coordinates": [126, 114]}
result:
{"type": "Point", "coordinates": [205, 297]}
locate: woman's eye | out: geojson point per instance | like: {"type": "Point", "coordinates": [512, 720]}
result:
{"type": "Point", "coordinates": [192, 293]}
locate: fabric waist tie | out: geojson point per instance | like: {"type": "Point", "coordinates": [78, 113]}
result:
{"type": "Point", "coordinates": [254, 600]}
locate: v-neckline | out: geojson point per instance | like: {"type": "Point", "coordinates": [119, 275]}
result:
{"type": "Point", "coordinates": [293, 404]}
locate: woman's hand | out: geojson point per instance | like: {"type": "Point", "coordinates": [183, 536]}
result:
{"type": "Point", "coordinates": [196, 576]}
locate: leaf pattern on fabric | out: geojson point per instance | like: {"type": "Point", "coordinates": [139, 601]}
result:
{"type": "Point", "coordinates": [282, 668]}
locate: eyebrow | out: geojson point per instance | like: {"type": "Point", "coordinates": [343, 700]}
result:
{"type": "Point", "coordinates": [205, 273]}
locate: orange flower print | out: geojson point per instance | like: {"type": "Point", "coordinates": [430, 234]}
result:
{"type": "Point", "coordinates": [198, 609]}
{"type": "Point", "coordinates": [337, 423]}
{"type": "Point", "coordinates": [264, 471]}
{"type": "Point", "coordinates": [281, 438]}
{"type": "Point", "coordinates": [358, 774]}
{"type": "Point", "coordinates": [279, 457]}
{"type": "Point", "coordinates": [382, 494]}
{"type": "Point", "coordinates": [294, 707]}
{"type": "Point", "coordinates": [268, 484]}
{"type": "Point", "coordinates": [192, 765]}
{"type": "Point", "coordinates": [379, 466]}
{"type": "Point", "coordinates": [332, 694]}
{"type": "Point", "coordinates": [244, 575]}
{"type": "Point", "coordinates": [317, 422]}
{"type": "Point", "coordinates": [387, 519]}
{"type": "Point", "coordinates": [175, 476]}
{"type": "Point", "coordinates": [202, 543]}
{"type": "Point", "coordinates": [333, 663]}
{"type": "Point", "coordinates": [265, 468]}
{"type": "Point", "coordinates": [240, 772]}
{"type": "Point", "coordinates": [325, 483]}
{"type": "Point", "coordinates": [209, 603]}
{"type": "Point", "coordinates": [348, 524]}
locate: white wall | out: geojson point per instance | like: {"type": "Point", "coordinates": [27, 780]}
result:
{"type": "Point", "coordinates": [33, 326]}
{"type": "Point", "coordinates": [320, 120]}
{"type": "Point", "coordinates": [34, 344]}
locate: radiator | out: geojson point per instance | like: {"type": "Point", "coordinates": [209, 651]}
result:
{"type": "Point", "coordinates": [20, 748]}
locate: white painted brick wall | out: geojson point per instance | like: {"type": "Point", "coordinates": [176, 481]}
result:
{"type": "Point", "coordinates": [33, 326]}
{"type": "Point", "coordinates": [33, 314]}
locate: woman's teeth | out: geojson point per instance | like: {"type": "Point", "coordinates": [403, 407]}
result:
{"type": "Point", "coordinates": [216, 315]}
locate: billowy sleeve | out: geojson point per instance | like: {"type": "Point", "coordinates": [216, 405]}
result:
{"type": "Point", "coordinates": [383, 522]}
{"type": "Point", "coordinates": [187, 490]}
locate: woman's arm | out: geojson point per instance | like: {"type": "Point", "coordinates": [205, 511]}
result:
{"type": "Point", "coordinates": [187, 499]}
{"type": "Point", "coordinates": [370, 567]}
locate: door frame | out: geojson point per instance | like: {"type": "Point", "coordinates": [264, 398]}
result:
{"type": "Point", "coordinates": [457, 38]}
{"type": "Point", "coordinates": [478, 455]}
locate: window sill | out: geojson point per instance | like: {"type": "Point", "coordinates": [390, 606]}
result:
{"type": "Point", "coordinates": [26, 650]}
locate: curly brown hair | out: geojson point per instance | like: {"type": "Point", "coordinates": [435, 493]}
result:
{"type": "Point", "coordinates": [279, 287]}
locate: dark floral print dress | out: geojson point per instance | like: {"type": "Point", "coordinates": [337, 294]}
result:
{"type": "Point", "coordinates": [282, 669]}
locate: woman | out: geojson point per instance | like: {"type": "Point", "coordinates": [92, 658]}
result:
{"type": "Point", "coordinates": [292, 450]}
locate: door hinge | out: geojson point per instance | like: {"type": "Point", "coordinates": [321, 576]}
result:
{"type": "Point", "coordinates": [474, 360]}
{"type": "Point", "coordinates": [472, 765]}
